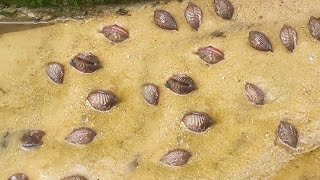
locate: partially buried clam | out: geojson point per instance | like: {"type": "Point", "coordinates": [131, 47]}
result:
{"type": "Point", "coordinates": [223, 8]}
{"type": "Point", "coordinates": [254, 94]}
{"type": "Point", "coordinates": [176, 157]}
{"type": "Point", "coordinates": [180, 84]}
{"type": "Point", "coordinates": [197, 121]}
{"type": "Point", "coordinates": [210, 54]}
{"type": "Point", "coordinates": [102, 100]}
{"type": "Point", "coordinates": [18, 176]}
{"type": "Point", "coordinates": [314, 27]}
{"type": "Point", "coordinates": [81, 136]}
{"type": "Point", "coordinates": [288, 134]}
{"type": "Point", "coordinates": [259, 41]}
{"type": "Point", "coordinates": [288, 37]}
{"type": "Point", "coordinates": [75, 177]}
{"type": "Point", "coordinates": [55, 72]}
{"type": "Point", "coordinates": [32, 139]}
{"type": "Point", "coordinates": [85, 62]}
{"type": "Point", "coordinates": [115, 33]}
{"type": "Point", "coordinates": [151, 94]}
{"type": "Point", "coordinates": [164, 20]}
{"type": "Point", "coordinates": [193, 15]}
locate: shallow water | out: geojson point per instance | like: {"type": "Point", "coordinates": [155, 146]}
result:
{"type": "Point", "coordinates": [241, 144]}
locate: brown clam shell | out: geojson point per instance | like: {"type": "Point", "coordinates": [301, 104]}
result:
{"type": "Point", "coordinates": [164, 20]}
{"type": "Point", "coordinates": [180, 84]}
{"type": "Point", "coordinates": [176, 157]}
{"type": "Point", "coordinates": [115, 33]}
{"type": "Point", "coordinates": [55, 72]}
{"type": "Point", "coordinates": [18, 176]}
{"type": "Point", "coordinates": [223, 8]}
{"type": "Point", "coordinates": [288, 134]}
{"type": "Point", "coordinates": [102, 100]}
{"type": "Point", "coordinates": [32, 139]}
{"type": "Point", "coordinates": [288, 37]}
{"type": "Point", "coordinates": [81, 136]}
{"type": "Point", "coordinates": [210, 54]}
{"type": "Point", "coordinates": [259, 41]}
{"type": "Point", "coordinates": [197, 121]}
{"type": "Point", "coordinates": [314, 27]}
{"type": "Point", "coordinates": [85, 62]}
{"type": "Point", "coordinates": [151, 94]}
{"type": "Point", "coordinates": [254, 94]}
{"type": "Point", "coordinates": [193, 15]}
{"type": "Point", "coordinates": [76, 177]}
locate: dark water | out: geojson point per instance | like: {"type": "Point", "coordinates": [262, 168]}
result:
{"type": "Point", "coordinates": [13, 27]}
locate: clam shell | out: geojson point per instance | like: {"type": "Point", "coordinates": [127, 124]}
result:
{"type": "Point", "coordinates": [197, 121]}
{"type": "Point", "coordinates": [115, 33]}
{"type": "Point", "coordinates": [288, 134]}
{"type": "Point", "coordinates": [176, 157]}
{"type": "Point", "coordinates": [314, 27]}
{"type": "Point", "coordinates": [102, 100]}
{"type": "Point", "coordinates": [151, 94]}
{"type": "Point", "coordinates": [259, 41]}
{"type": "Point", "coordinates": [193, 15]}
{"type": "Point", "coordinates": [288, 37]}
{"type": "Point", "coordinates": [32, 139]}
{"type": "Point", "coordinates": [180, 84]}
{"type": "Point", "coordinates": [210, 54]}
{"type": "Point", "coordinates": [81, 136]}
{"type": "Point", "coordinates": [164, 20]}
{"type": "Point", "coordinates": [223, 8]}
{"type": "Point", "coordinates": [55, 72]}
{"type": "Point", "coordinates": [18, 176]}
{"type": "Point", "coordinates": [254, 94]}
{"type": "Point", "coordinates": [76, 177]}
{"type": "Point", "coordinates": [85, 62]}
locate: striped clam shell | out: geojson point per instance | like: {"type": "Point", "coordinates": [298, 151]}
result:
{"type": "Point", "coordinates": [81, 136]}
{"type": "Point", "coordinates": [288, 134]}
{"type": "Point", "coordinates": [288, 37]}
{"type": "Point", "coordinates": [55, 72]}
{"type": "Point", "coordinates": [210, 54]}
{"type": "Point", "coordinates": [32, 139]}
{"type": "Point", "coordinates": [18, 176]}
{"type": "Point", "coordinates": [254, 94]}
{"type": "Point", "coordinates": [197, 121]}
{"type": "Point", "coordinates": [164, 20]}
{"type": "Point", "coordinates": [115, 33]}
{"type": "Point", "coordinates": [193, 15]}
{"type": "Point", "coordinates": [180, 84]}
{"type": "Point", "coordinates": [259, 41]}
{"type": "Point", "coordinates": [75, 177]}
{"type": "Point", "coordinates": [223, 8]}
{"type": "Point", "coordinates": [102, 100]}
{"type": "Point", "coordinates": [85, 62]}
{"type": "Point", "coordinates": [314, 27]}
{"type": "Point", "coordinates": [151, 94]}
{"type": "Point", "coordinates": [176, 157]}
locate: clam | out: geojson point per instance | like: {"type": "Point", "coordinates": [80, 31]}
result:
{"type": "Point", "coordinates": [223, 8]}
{"type": "Point", "coordinates": [314, 27]}
{"type": "Point", "coordinates": [259, 41]}
{"type": "Point", "coordinates": [115, 33]}
{"type": "Point", "coordinates": [81, 136]}
{"type": "Point", "coordinates": [176, 157]}
{"type": "Point", "coordinates": [288, 37]}
{"type": "Point", "coordinates": [164, 20]}
{"type": "Point", "coordinates": [55, 72]}
{"type": "Point", "coordinates": [197, 121]}
{"type": "Point", "coordinates": [85, 62]}
{"type": "Point", "coordinates": [76, 177]}
{"type": "Point", "coordinates": [32, 139]}
{"type": "Point", "coordinates": [151, 94]}
{"type": "Point", "coordinates": [193, 15]}
{"type": "Point", "coordinates": [18, 176]}
{"type": "Point", "coordinates": [180, 84]}
{"type": "Point", "coordinates": [210, 54]}
{"type": "Point", "coordinates": [254, 94]}
{"type": "Point", "coordinates": [288, 134]}
{"type": "Point", "coordinates": [102, 100]}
